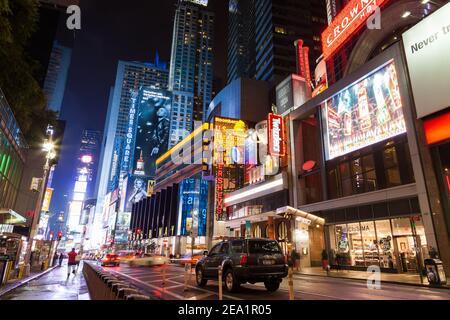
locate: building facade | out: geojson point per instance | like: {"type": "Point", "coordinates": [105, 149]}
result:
{"type": "Point", "coordinates": [359, 157]}
{"type": "Point", "coordinates": [191, 67]}
{"type": "Point", "coordinates": [130, 77]}
{"type": "Point", "coordinates": [278, 25]}
{"type": "Point", "coordinates": [56, 78]}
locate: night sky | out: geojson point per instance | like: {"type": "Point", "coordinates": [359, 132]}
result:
{"type": "Point", "coordinates": [130, 30]}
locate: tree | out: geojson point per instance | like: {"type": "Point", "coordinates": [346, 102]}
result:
{"type": "Point", "coordinates": [18, 22]}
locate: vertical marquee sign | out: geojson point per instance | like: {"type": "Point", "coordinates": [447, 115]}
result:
{"type": "Point", "coordinates": [351, 17]}
{"type": "Point", "coordinates": [277, 146]}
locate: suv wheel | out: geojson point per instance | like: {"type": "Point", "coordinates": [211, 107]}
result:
{"type": "Point", "coordinates": [231, 283]}
{"type": "Point", "coordinates": [271, 285]}
{"type": "Point", "coordinates": [201, 281]}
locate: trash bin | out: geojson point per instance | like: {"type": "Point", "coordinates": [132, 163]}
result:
{"type": "Point", "coordinates": [435, 273]}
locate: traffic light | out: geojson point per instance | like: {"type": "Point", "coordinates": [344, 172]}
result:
{"type": "Point", "coordinates": [59, 235]}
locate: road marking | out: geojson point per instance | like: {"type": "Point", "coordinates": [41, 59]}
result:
{"type": "Point", "coordinates": [171, 293]}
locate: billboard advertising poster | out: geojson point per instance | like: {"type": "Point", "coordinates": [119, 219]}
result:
{"type": "Point", "coordinates": [136, 191]}
{"type": "Point", "coordinates": [427, 48]}
{"type": "Point", "coordinates": [194, 203]}
{"type": "Point", "coordinates": [122, 226]}
{"type": "Point", "coordinates": [47, 200]}
{"type": "Point", "coordinates": [364, 113]}
{"type": "Point", "coordinates": [153, 129]}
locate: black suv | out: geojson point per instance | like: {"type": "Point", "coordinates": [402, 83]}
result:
{"type": "Point", "coordinates": [242, 261]}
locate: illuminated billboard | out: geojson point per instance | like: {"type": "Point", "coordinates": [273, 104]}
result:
{"type": "Point", "coordinates": [364, 113]}
{"type": "Point", "coordinates": [153, 129]}
{"type": "Point", "coordinates": [228, 159]}
{"type": "Point", "coordinates": [136, 191]}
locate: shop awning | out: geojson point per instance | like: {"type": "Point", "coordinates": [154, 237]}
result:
{"type": "Point", "coordinates": [253, 219]}
{"type": "Point", "coordinates": [289, 212]}
{"type": "Point", "coordinates": [8, 216]}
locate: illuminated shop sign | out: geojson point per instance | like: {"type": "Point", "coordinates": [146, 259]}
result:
{"type": "Point", "coordinates": [437, 129]}
{"type": "Point", "coordinates": [276, 136]}
{"type": "Point", "coordinates": [364, 113]}
{"type": "Point", "coordinates": [351, 17]}
{"type": "Point", "coordinates": [219, 192]}
{"type": "Point", "coordinates": [47, 199]}
{"type": "Point", "coordinates": [6, 228]}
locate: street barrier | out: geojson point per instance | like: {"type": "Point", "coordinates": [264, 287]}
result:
{"type": "Point", "coordinates": [220, 280]}
{"type": "Point", "coordinates": [137, 297]}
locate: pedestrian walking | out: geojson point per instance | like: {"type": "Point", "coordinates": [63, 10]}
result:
{"type": "Point", "coordinates": [61, 258]}
{"type": "Point", "coordinates": [72, 264]}
{"type": "Point", "coordinates": [55, 259]}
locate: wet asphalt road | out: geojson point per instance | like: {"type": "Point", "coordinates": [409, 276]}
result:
{"type": "Point", "coordinates": [150, 280]}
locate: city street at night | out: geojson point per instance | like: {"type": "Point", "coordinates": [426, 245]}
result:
{"type": "Point", "coordinates": [225, 152]}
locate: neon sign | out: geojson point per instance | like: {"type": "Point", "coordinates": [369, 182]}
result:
{"type": "Point", "coordinates": [276, 136]}
{"type": "Point", "coordinates": [352, 16]}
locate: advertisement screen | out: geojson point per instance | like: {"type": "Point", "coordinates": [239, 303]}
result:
{"type": "Point", "coordinates": [364, 113]}
{"type": "Point", "coordinates": [136, 191]}
{"type": "Point", "coordinates": [122, 226]}
{"type": "Point", "coordinates": [194, 206]}
{"type": "Point", "coordinates": [153, 128]}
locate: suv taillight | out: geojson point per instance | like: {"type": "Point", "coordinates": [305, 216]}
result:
{"type": "Point", "coordinates": [244, 259]}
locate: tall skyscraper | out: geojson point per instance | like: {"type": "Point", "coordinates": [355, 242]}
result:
{"type": "Point", "coordinates": [56, 78]}
{"type": "Point", "coordinates": [84, 181]}
{"type": "Point", "coordinates": [241, 40]}
{"type": "Point", "coordinates": [115, 155]}
{"type": "Point", "coordinates": [191, 66]}
{"type": "Point", "coordinates": [263, 32]}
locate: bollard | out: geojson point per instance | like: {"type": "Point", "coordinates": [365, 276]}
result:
{"type": "Point", "coordinates": [291, 285]}
{"type": "Point", "coordinates": [220, 281]}
{"type": "Point", "coordinates": [186, 269]}
{"type": "Point", "coordinates": [164, 274]}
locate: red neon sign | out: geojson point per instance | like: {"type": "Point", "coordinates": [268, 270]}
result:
{"type": "Point", "coordinates": [437, 129]}
{"type": "Point", "coordinates": [219, 191]}
{"type": "Point", "coordinates": [276, 136]}
{"type": "Point", "coordinates": [354, 14]}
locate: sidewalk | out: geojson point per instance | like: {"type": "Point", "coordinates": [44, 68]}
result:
{"type": "Point", "coordinates": [51, 285]}
{"type": "Point", "coordinates": [15, 283]}
{"type": "Point", "coordinates": [408, 279]}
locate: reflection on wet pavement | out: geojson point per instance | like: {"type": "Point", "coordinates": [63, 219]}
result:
{"type": "Point", "coordinates": [53, 286]}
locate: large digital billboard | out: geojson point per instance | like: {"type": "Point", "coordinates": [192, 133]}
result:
{"type": "Point", "coordinates": [364, 113]}
{"type": "Point", "coordinates": [193, 206]}
{"type": "Point", "coordinates": [153, 129]}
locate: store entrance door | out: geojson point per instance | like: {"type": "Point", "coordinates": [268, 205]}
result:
{"type": "Point", "coordinates": [406, 257]}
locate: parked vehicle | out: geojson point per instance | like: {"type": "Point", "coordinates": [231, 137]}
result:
{"type": "Point", "coordinates": [242, 261]}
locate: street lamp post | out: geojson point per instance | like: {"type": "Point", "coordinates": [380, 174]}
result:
{"type": "Point", "coordinates": [49, 148]}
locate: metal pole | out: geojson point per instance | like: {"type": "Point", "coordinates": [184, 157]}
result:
{"type": "Point", "coordinates": [186, 269]}
{"type": "Point", "coordinates": [220, 282]}
{"type": "Point", "coordinates": [36, 216]}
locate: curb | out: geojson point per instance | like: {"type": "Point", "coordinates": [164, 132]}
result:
{"type": "Point", "coordinates": [382, 281]}
{"type": "Point", "coordinates": [23, 282]}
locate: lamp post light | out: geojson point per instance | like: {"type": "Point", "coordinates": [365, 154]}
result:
{"type": "Point", "coordinates": [49, 148]}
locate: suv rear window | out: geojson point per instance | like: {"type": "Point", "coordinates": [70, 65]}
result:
{"type": "Point", "coordinates": [258, 246]}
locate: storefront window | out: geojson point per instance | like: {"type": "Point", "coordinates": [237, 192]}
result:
{"type": "Point", "coordinates": [401, 227]}
{"type": "Point", "coordinates": [391, 167]}
{"type": "Point", "coordinates": [282, 231]}
{"type": "Point", "coordinates": [385, 243]}
{"type": "Point", "coordinates": [370, 243]}
{"type": "Point", "coordinates": [356, 245]}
